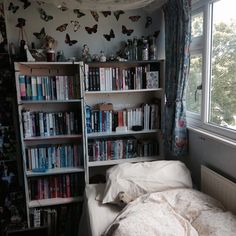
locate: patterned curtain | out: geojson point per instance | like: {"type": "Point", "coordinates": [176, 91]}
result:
{"type": "Point", "coordinates": [178, 35]}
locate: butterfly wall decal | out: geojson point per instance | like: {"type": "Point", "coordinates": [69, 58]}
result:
{"type": "Point", "coordinates": [44, 16]}
{"type": "Point", "coordinates": [95, 15]}
{"type": "Point", "coordinates": [62, 7]}
{"type": "Point", "coordinates": [40, 3]}
{"type": "Point", "coordinates": [106, 13]}
{"type": "Point", "coordinates": [26, 3]}
{"type": "Point", "coordinates": [92, 29]}
{"type": "Point", "coordinates": [134, 18]}
{"type": "Point", "coordinates": [13, 7]}
{"type": "Point", "coordinates": [148, 21]}
{"type": "Point", "coordinates": [41, 35]}
{"type": "Point", "coordinates": [75, 24]}
{"type": "Point", "coordinates": [69, 41]}
{"type": "Point", "coordinates": [62, 27]}
{"type": "Point", "coordinates": [21, 22]}
{"type": "Point", "coordinates": [108, 37]}
{"type": "Point", "coordinates": [78, 13]}
{"type": "Point", "coordinates": [156, 33]}
{"type": "Point", "coordinates": [126, 31]}
{"type": "Point", "coordinates": [118, 13]}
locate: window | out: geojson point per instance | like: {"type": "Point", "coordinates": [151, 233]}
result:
{"type": "Point", "coordinates": [211, 88]}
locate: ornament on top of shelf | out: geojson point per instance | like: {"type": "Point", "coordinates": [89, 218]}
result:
{"type": "Point", "coordinates": [102, 57]}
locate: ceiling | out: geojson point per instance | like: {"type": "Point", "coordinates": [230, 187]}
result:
{"type": "Point", "coordinates": [106, 5]}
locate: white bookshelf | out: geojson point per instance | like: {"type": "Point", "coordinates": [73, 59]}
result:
{"type": "Point", "coordinates": [122, 97]}
{"type": "Point", "coordinates": [59, 101]}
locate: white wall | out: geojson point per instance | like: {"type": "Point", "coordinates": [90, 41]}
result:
{"type": "Point", "coordinates": [215, 154]}
{"type": "Point", "coordinates": [96, 42]}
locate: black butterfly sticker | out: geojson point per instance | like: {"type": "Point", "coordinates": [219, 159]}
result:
{"type": "Point", "coordinates": [108, 37]}
{"type": "Point", "coordinates": [106, 13]}
{"type": "Point", "coordinates": [62, 27]}
{"type": "Point", "coordinates": [134, 18]}
{"type": "Point", "coordinates": [75, 24]}
{"type": "Point", "coordinates": [156, 33]}
{"type": "Point", "coordinates": [21, 22]}
{"type": "Point", "coordinates": [118, 13]}
{"type": "Point", "coordinates": [78, 13]}
{"type": "Point", "coordinates": [95, 15]}
{"type": "Point", "coordinates": [91, 30]}
{"type": "Point", "coordinates": [69, 41]}
{"type": "Point", "coordinates": [62, 7]}
{"type": "Point", "coordinates": [44, 16]}
{"type": "Point", "coordinates": [13, 8]}
{"type": "Point", "coordinates": [40, 3]}
{"type": "Point", "coordinates": [127, 31]}
{"type": "Point", "coordinates": [41, 35]}
{"type": "Point", "coordinates": [148, 21]}
{"type": "Point", "coordinates": [26, 3]}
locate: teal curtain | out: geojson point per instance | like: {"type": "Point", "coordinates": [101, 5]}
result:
{"type": "Point", "coordinates": [178, 35]}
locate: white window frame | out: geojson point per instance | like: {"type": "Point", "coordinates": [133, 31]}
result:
{"type": "Point", "coordinates": [203, 45]}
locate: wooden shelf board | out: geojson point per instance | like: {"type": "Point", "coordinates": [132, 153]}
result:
{"type": "Point", "coordinates": [58, 137]}
{"type": "Point", "coordinates": [21, 102]}
{"type": "Point", "coordinates": [123, 91]}
{"type": "Point", "coordinates": [129, 132]}
{"type": "Point", "coordinates": [114, 162]}
{"type": "Point", "coordinates": [56, 171]}
{"type": "Point", "coordinates": [54, 201]}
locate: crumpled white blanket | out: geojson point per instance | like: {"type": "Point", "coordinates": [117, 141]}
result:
{"type": "Point", "coordinates": [177, 212]}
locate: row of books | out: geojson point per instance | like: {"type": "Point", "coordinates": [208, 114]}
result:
{"type": "Point", "coordinates": [114, 78]}
{"type": "Point", "coordinates": [55, 186]}
{"type": "Point", "coordinates": [49, 87]}
{"type": "Point", "coordinates": [37, 123]}
{"type": "Point", "coordinates": [51, 157]}
{"type": "Point", "coordinates": [111, 149]}
{"type": "Point", "coordinates": [146, 116]}
{"type": "Point", "coordinates": [59, 220]}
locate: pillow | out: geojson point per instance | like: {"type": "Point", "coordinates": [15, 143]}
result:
{"type": "Point", "coordinates": [136, 179]}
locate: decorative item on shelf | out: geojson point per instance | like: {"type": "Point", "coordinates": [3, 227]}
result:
{"type": "Point", "coordinates": [60, 56]}
{"type": "Point", "coordinates": [28, 53]}
{"type": "Point", "coordinates": [145, 50]}
{"type": "Point", "coordinates": [102, 57]}
{"type": "Point", "coordinates": [95, 58]}
{"type": "Point", "coordinates": [152, 48]}
{"type": "Point", "coordinates": [85, 54]}
{"type": "Point", "coordinates": [51, 55]}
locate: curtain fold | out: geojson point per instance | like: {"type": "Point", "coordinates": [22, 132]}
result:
{"type": "Point", "coordinates": [178, 35]}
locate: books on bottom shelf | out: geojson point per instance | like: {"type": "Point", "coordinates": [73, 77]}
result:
{"type": "Point", "coordinates": [60, 220]}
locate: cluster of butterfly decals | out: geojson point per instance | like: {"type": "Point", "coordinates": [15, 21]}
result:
{"type": "Point", "coordinates": [13, 7]}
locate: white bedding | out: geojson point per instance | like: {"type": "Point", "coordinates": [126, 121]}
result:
{"type": "Point", "coordinates": [178, 212]}
{"type": "Point", "coordinates": [97, 215]}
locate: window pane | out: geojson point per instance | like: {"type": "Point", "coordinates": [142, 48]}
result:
{"type": "Point", "coordinates": [223, 65]}
{"type": "Point", "coordinates": [197, 24]}
{"type": "Point", "coordinates": [194, 92]}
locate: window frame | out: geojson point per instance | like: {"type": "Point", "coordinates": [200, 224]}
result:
{"type": "Point", "coordinates": [203, 44]}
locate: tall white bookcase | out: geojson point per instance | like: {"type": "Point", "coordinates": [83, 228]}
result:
{"type": "Point", "coordinates": [51, 121]}
{"type": "Point", "coordinates": [126, 127]}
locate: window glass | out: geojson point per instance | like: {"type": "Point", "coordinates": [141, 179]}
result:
{"type": "Point", "coordinates": [194, 85]}
{"type": "Point", "coordinates": [222, 104]}
{"type": "Point", "coordinates": [197, 25]}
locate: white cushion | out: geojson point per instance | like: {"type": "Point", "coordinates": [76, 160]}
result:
{"type": "Point", "coordinates": [136, 179]}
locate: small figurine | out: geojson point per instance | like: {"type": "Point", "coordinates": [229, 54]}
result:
{"type": "Point", "coordinates": [102, 57]}
{"type": "Point", "coordinates": [85, 53]}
